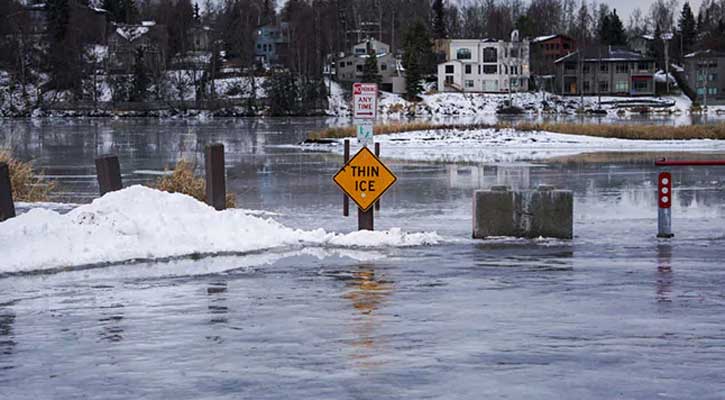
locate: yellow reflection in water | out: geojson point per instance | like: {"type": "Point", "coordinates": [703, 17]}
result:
{"type": "Point", "coordinates": [367, 292]}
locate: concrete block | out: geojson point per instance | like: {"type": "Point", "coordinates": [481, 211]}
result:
{"type": "Point", "coordinates": [543, 212]}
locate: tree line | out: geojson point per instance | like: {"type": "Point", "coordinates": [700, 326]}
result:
{"type": "Point", "coordinates": [320, 29]}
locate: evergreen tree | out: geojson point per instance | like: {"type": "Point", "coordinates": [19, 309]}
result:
{"type": "Point", "coordinates": [370, 68]}
{"type": "Point", "coordinates": [64, 53]}
{"type": "Point", "coordinates": [121, 11]}
{"type": "Point", "coordinates": [688, 28]}
{"type": "Point", "coordinates": [417, 58]}
{"type": "Point", "coordinates": [282, 93]}
{"type": "Point", "coordinates": [617, 35]}
{"type": "Point", "coordinates": [611, 30]}
{"type": "Point", "coordinates": [439, 20]}
{"type": "Point", "coordinates": [140, 78]}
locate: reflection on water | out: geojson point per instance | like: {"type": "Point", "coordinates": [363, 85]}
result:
{"type": "Point", "coordinates": [111, 324]}
{"type": "Point", "coordinates": [218, 310]}
{"type": "Point", "coordinates": [7, 338]}
{"type": "Point", "coordinates": [664, 273]}
{"type": "Point", "coordinates": [367, 292]}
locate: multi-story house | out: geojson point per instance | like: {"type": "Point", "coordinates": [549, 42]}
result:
{"type": "Point", "coordinates": [605, 70]}
{"type": "Point", "coordinates": [272, 44]}
{"type": "Point", "coordinates": [127, 41]}
{"type": "Point", "coordinates": [705, 73]}
{"type": "Point", "coordinates": [349, 68]}
{"type": "Point", "coordinates": [485, 65]}
{"type": "Point", "coordinates": [547, 49]}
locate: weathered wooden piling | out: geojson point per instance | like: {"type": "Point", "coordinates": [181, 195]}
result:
{"type": "Point", "coordinates": [108, 171]}
{"type": "Point", "coordinates": [7, 207]}
{"type": "Point", "coordinates": [345, 199]}
{"type": "Point", "coordinates": [216, 189]}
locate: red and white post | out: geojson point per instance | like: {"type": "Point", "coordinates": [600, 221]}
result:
{"type": "Point", "coordinates": [664, 198]}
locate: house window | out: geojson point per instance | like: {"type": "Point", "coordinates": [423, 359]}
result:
{"type": "Point", "coordinates": [570, 67]}
{"type": "Point", "coordinates": [479, 69]}
{"type": "Point", "coordinates": [450, 69]}
{"type": "Point", "coordinates": [711, 90]}
{"type": "Point", "coordinates": [463, 54]}
{"type": "Point", "coordinates": [359, 68]}
{"type": "Point", "coordinates": [490, 69]}
{"type": "Point", "coordinates": [603, 86]}
{"type": "Point", "coordinates": [640, 85]}
{"type": "Point", "coordinates": [469, 84]}
{"type": "Point", "coordinates": [622, 68]}
{"type": "Point", "coordinates": [490, 55]}
{"type": "Point", "coordinates": [712, 77]}
{"type": "Point", "coordinates": [360, 51]}
{"type": "Point", "coordinates": [587, 86]}
{"type": "Point", "coordinates": [468, 68]}
{"type": "Point", "coordinates": [383, 67]}
{"type": "Point", "coordinates": [586, 68]}
{"type": "Point", "coordinates": [700, 91]}
{"type": "Point", "coordinates": [449, 80]}
{"type": "Point", "coordinates": [603, 68]}
{"type": "Point", "coordinates": [514, 70]}
{"type": "Point", "coordinates": [621, 86]}
{"type": "Point", "coordinates": [259, 46]}
{"type": "Point", "coordinates": [643, 66]}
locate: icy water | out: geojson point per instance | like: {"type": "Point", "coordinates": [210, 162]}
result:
{"type": "Point", "coordinates": [614, 313]}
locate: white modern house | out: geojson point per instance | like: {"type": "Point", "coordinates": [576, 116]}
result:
{"type": "Point", "coordinates": [485, 65]}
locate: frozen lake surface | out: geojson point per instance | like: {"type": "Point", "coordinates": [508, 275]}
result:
{"type": "Point", "coordinates": [614, 313]}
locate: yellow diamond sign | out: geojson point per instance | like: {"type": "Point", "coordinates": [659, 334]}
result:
{"type": "Point", "coordinates": [364, 178]}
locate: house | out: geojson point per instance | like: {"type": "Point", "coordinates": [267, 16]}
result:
{"type": "Point", "coordinates": [547, 49]}
{"type": "Point", "coordinates": [271, 44]}
{"type": "Point", "coordinates": [201, 37]}
{"type": "Point", "coordinates": [605, 70]}
{"type": "Point", "coordinates": [705, 74]}
{"type": "Point", "coordinates": [126, 41]}
{"type": "Point", "coordinates": [349, 68]}
{"type": "Point", "coordinates": [486, 65]}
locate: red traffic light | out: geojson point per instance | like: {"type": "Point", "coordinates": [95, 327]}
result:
{"type": "Point", "coordinates": [664, 189]}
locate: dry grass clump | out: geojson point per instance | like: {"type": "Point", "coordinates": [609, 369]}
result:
{"type": "Point", "coordinates": [182, 180]}
{"type": "Point", "coordinates": [392, 127]}
{"type": "Point", "coordinates": [631, 131]}
{"type": "Point", "coordinates": [26, 185]}
{"type": "Point", "coordinates": [619, 131]}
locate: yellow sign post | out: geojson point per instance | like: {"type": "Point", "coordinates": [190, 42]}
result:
{"type": "Point", "coordinates": [364, 178]}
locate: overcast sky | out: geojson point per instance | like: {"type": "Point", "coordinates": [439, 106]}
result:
{"type": "Point", "coordinates": [624, 7]}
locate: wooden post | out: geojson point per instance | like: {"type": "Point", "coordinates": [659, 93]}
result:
{"type": "Point", "coordinates": [377, 154]}
{"type": "Point", "coordinates": [216, 190]}
{"type": "Point", "coordinates": [108, 171]}
{"type": "Point", "coordinates": [7, 207]}
{"type": "Point", "coordinates": [365, 219]}
{"type": "Point", "coordinates": [345, 199]}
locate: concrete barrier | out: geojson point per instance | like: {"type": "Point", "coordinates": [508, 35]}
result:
{"type": "Point", "coordinates": [532, 213]}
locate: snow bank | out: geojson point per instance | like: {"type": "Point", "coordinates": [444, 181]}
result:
{"type": "Point", "coordinates": [511, 145]}
{"type": "Point", "coordinates": [143, 223]}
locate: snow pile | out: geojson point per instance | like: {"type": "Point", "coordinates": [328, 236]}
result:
{"type": "Point", "coordinates": [511, 145]}
{"type": "Point", "coordinates": [143, 223]}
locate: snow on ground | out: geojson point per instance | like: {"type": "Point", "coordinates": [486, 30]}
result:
{"type": "Point", "coordinates": [453, 104]}
{"type": "Point", "coordinates": [511, 145]}
{"type": "Point", "coordinates": [144, 223]}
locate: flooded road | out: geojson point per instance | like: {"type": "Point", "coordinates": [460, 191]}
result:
{"type": "Point", "coordinates": [614, 313]}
